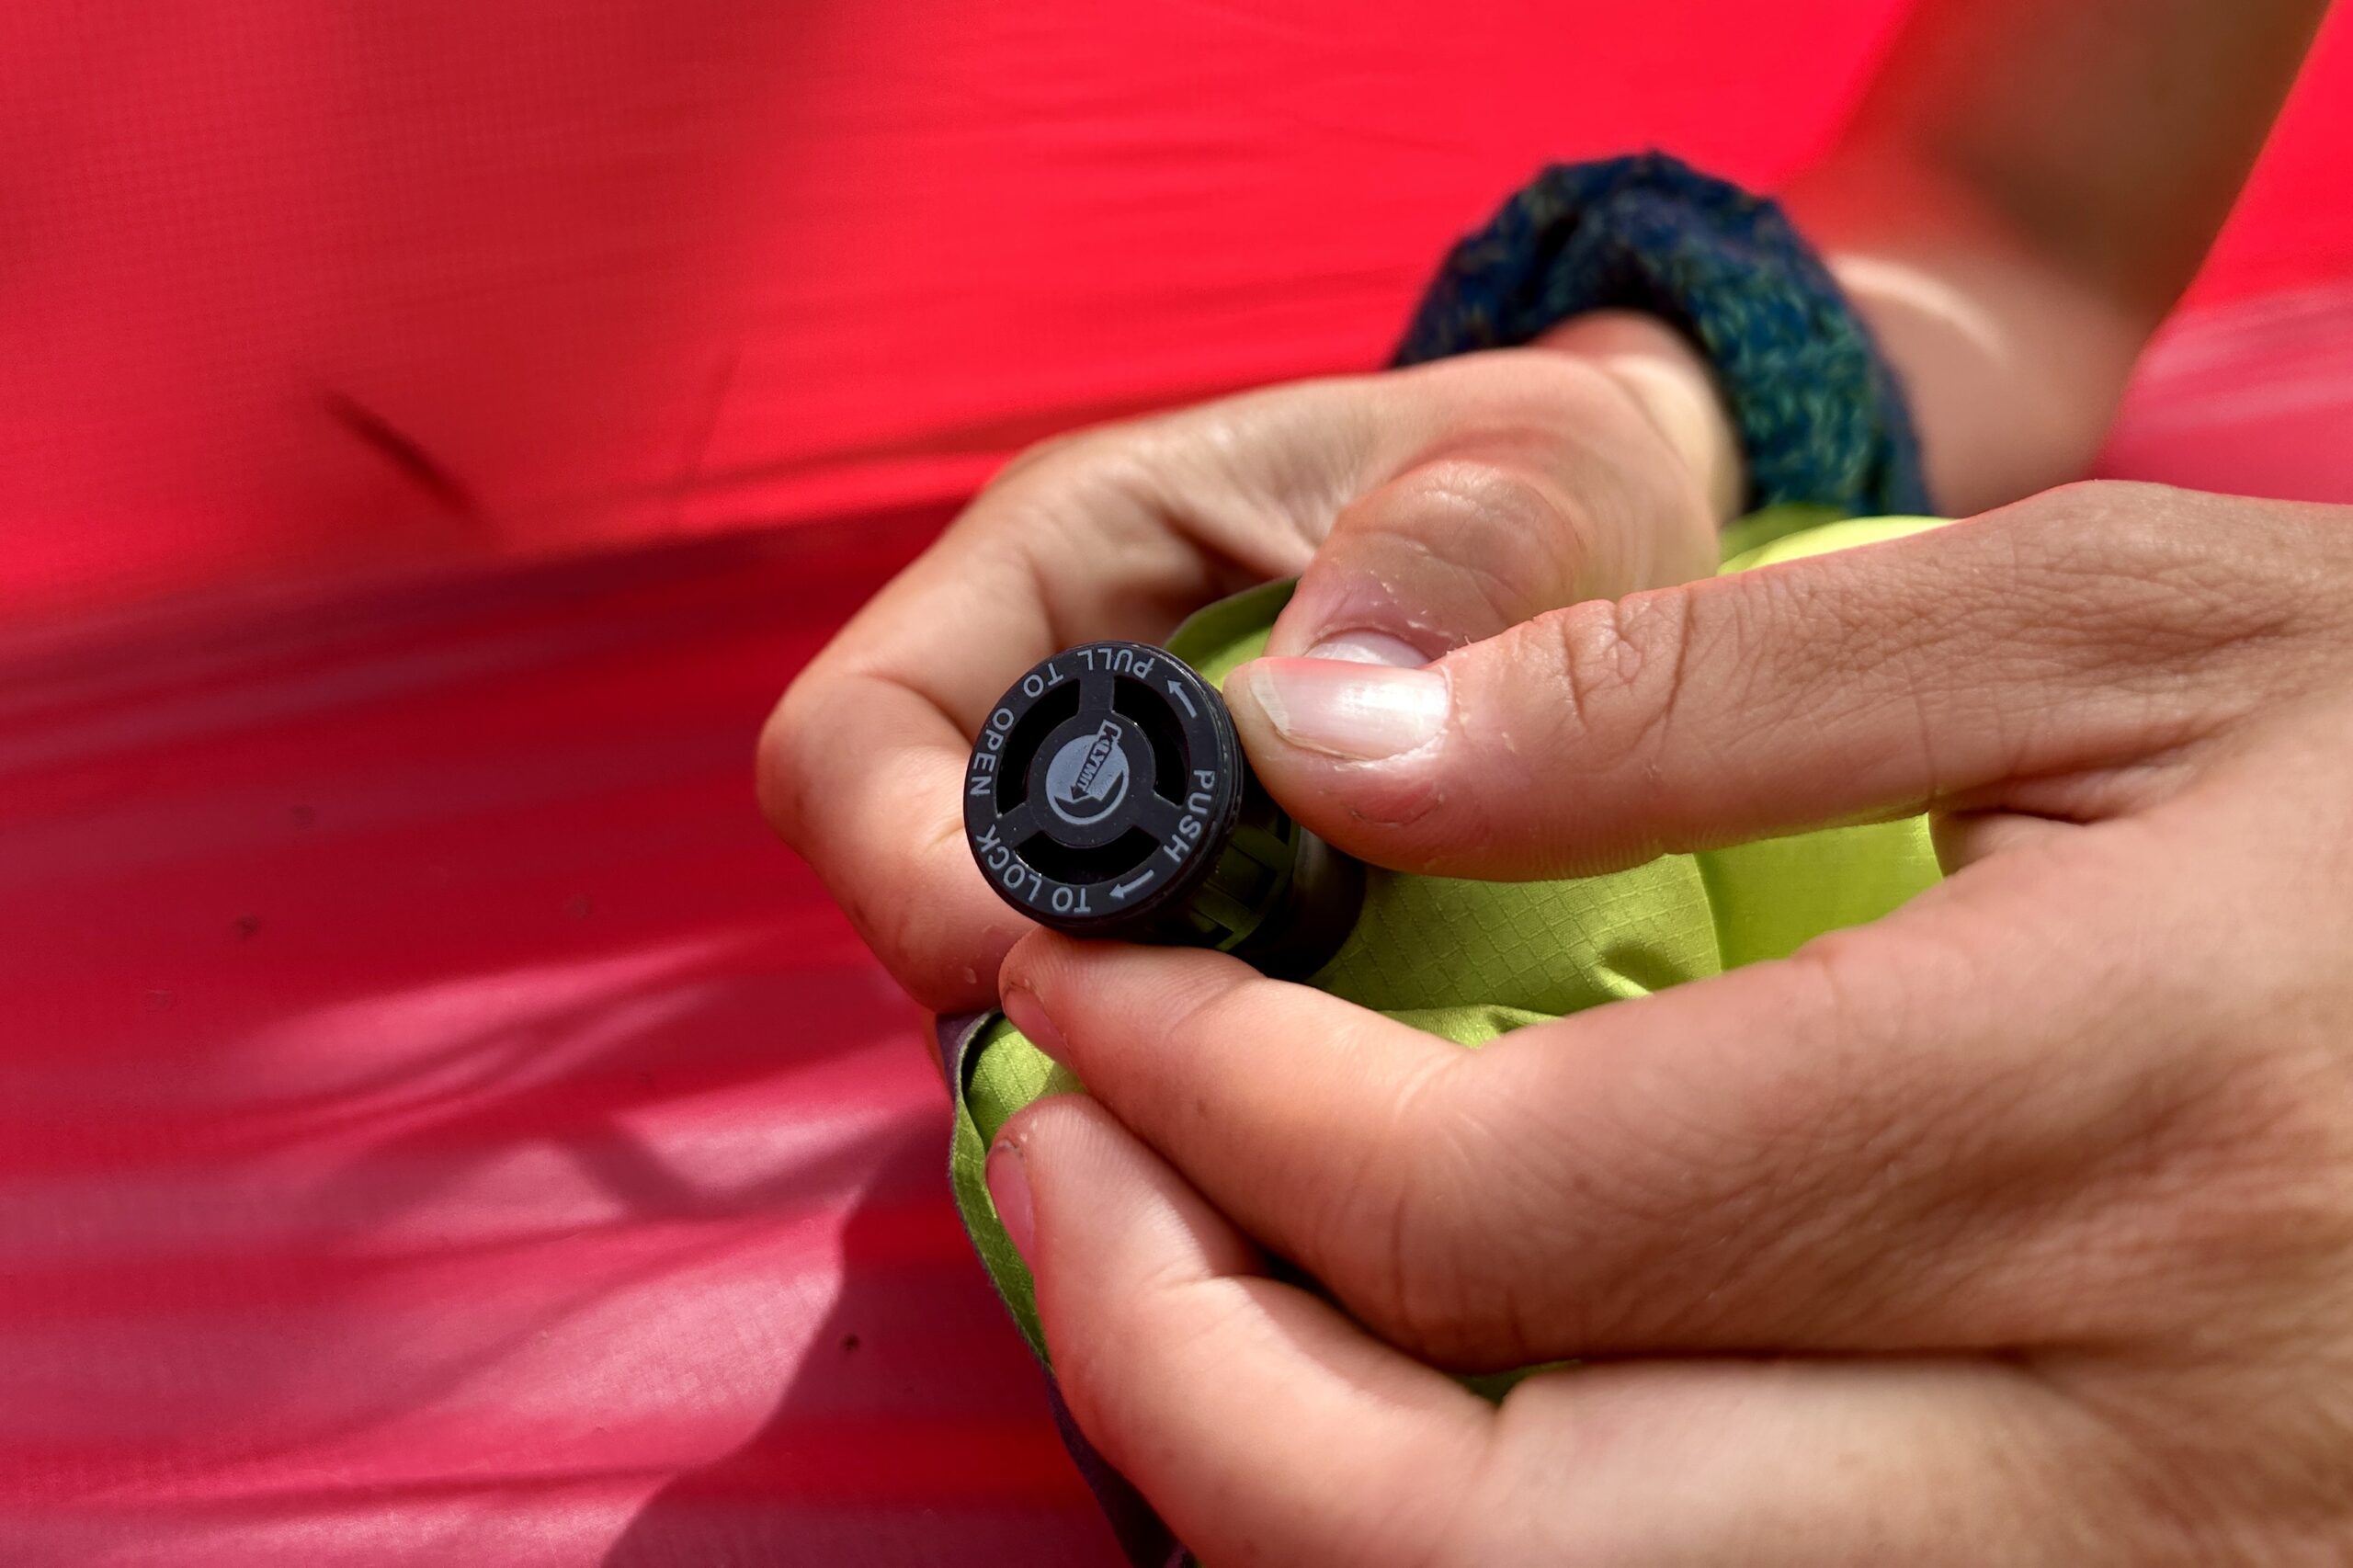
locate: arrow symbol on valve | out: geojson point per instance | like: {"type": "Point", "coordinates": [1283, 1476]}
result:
{"type": "Point", "coordinates": [1179, 693]}
{"type": "Point", "coordinates": [1121, 890]}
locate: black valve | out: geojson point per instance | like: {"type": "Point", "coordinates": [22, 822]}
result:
{"type": "Point", "coordinates": [1108, 796]}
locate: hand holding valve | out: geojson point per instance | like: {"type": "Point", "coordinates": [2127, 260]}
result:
{"type": "Point", "coordinates": [1108, 796]}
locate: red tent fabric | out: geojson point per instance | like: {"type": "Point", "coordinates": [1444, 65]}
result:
{"type": "Point", "coordinates": [437, 1124]}
{"type": "Point", "coordinates": [294, 289]}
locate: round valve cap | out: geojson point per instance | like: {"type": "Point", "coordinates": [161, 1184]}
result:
{"type": "Point", "coordinates": [1108, 796]}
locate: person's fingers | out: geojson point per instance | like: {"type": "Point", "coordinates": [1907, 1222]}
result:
{"type": "Point", "coordinates": [1262, 1425]}
{"type": "Point", "coordinates": [2060, 657]}
{"type": "Point", "coordinates": [1267, 1428]}
{"type": "Point", "coordinates": [1119, 533]}
{"type": "Point", "coordinates": [1557, 488]}
{"type": "Point", "coordinates": [851, 773]}
{"type": "Point", "coordinates": [1867, 1147]}
{"type": "Point", "coordinates": [861, 766]}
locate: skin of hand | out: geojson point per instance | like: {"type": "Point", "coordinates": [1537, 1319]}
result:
{"type": "Point", "coordinates": [2025, 188]}
{"type": "Point", "coordinates": [1422, 509]}
{"type": "Point", "coordinates": [2016, 1227]}
{"type": "Point", "coordinates": [2022, 193]}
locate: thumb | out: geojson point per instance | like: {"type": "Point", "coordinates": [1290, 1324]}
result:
{"type": "Point", "coordinates": [2027, 659]}
{"type": "Point", "coordinates": [1543, 478]}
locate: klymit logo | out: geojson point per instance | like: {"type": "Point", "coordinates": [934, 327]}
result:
{"type": "Point", "coordinates": [1106, 740]}
{"type": "Point", "coordinates": [1088, 775]}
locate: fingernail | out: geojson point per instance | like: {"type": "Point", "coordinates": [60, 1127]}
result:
{"type": "Point", "coordinates": [1028, 1016]}
{"type": "Point", "coordinates": [1370, 648]}
{"type": "Point", "coordinates": [1009, 1191]}
{"type": "Point", "coordinates": [1364, 712]}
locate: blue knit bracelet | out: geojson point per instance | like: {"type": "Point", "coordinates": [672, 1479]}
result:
{"type": "Point", "coordinates": [1820, 415]}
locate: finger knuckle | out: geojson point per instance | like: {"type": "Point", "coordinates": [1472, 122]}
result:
{"type": "Point", "coordinates": [1392, 1232]}
{"type": "Point", "coordinates": [1108, 1385]}
{"type": "Point", "coordinates": [1429, 1244]}
{"type": "Point", "coordinates": [1514, 540]}
{"type": "Point", "coordinates": [2155, 578]}
{"type": "Point", "coordinates": [1424, 561]}
{"type": "Point", "coordinates": [1203, 997]}
{"type": "Point", "coordinates": [1621, 668]}
{"type": "Point", "coordinates": [1087, 489]}
{"type": "Point", "coordinates": [1039, 458]}
{"type": "Point", "coordinates": [780, 760]}
{"type": "Point", "coordinates": [1406, 1274]}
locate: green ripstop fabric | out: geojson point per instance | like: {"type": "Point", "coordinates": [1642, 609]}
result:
{"type": "Point", "coordinates": [1471, 960]}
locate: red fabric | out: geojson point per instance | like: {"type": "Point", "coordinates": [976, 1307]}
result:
{"type": "Point", "coordinates": [289, 287]}
{"type": "Point", "coordinates": [2253, 396]}
{"type": "Point", "coordinates": [437, 1124]}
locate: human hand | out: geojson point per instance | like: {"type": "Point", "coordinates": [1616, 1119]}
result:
{"type": "Point", "coordinates": [1425, 510]}
{"type": "Point", "coordinates": [2015, 1227]}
